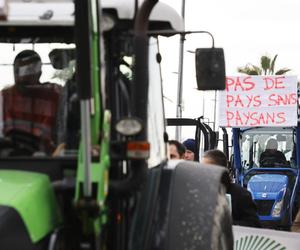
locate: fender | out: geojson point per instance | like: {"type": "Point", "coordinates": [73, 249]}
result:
{"type": "Point", "coordinates": [29, 209]}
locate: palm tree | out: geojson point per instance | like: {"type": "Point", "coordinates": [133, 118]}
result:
{"type": "Point", "coordinates": [267, 67]}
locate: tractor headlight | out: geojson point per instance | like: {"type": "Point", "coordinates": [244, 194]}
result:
{"type": "Point", "coordinates": [129, 126]}
{"type": "Point", "coordinates": [107, 22]}
{"type": "Point", "coordinates": [277, 208]}
{"type": "Point", "coordinates": [279, 204]}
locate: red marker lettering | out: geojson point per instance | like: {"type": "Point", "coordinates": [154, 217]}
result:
{"type": "Point", "coordinates": [249, 82]}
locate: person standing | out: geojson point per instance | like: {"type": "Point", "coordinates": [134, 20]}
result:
{"type": "Point", "coordinates": [244, 210]}
{"type": "Point", "coordinates": [190, 152]}
{"type": "Point", "coordinates": [176, 149]}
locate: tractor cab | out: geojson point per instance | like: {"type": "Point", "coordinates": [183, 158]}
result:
{"type": "Point", "coordinates": [38, 96]}
{"type": "Point", "coordinates": [268, 147]}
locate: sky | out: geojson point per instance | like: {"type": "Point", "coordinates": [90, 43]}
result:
{"type": "Point", "coordinates": [246, 30]}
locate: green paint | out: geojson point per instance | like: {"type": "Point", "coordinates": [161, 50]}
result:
{"type": "Point", "coordinates": [99, 169]}
{"type": "Point", "coordinates": [252, 242]}
{"type": "Point", "coordinates": [96, 71]}
{"type": "Point", "coordinates": [274, 248]}
{"type": "Point", "coordinates": [100, 131]}
{"type": "Point", "coordinates": [249, 243]}
{"type": "Point", "coordinates": [265, 242]}
{"type": "Point", "coordinates": [258, 242]}
{"type": "Point", "coordinates": [245, 242]}
{"type": "Point", "coordinates": [241, 243]}
{"type": "Point", "coordinates": [255, 240]}
{"type": "Point", "coordinates": [32, 196]}
{"type": "Point", "coordinates": [269, 245]}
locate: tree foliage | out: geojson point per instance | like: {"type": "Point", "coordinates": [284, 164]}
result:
{"type": "Point", "coordinates": [267, 67]}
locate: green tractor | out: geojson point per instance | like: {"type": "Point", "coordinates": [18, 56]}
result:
{"type": "Point", "coordinates": [106, 183]}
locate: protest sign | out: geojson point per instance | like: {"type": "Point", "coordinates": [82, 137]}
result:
{"type": "Point", "coordinates": [251, 101]}
{"type": "Point", "coordinates": [251, 238]}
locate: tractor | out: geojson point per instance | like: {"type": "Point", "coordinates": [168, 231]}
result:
{"type": "Point", "coordinates": [108, 182]}
{"type": "Point", "coordinates": [274, 183]}
{"type": "Point", "coordinates": [265, 136]}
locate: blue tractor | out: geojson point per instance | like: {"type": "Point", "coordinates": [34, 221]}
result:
{"type": "Point", "coordinates": [266, 161]}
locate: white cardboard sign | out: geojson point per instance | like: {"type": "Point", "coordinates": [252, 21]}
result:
{"type": "Point", "coordinates": [249, 238]}
{"type": "Point", "coordinates": [251, 101]}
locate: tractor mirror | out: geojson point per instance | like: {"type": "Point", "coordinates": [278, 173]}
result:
{"type": "Point", "coordinates": [210, 69]}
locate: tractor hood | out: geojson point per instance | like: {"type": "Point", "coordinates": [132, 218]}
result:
{"type": "Point", "coordinates": [268, 186]}
{"type": "Point", "coordinates": [32, 197]}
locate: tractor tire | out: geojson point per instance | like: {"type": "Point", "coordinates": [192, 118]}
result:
{"type": "Point", "coordinates": [184, 206]}
{"type": "Point", "coordinates": [222, 237]}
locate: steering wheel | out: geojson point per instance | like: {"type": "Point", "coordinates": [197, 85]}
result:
{"type": "Point", "coordinates": [18, 143]}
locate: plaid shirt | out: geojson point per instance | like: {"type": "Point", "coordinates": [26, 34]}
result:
{"type": "Point", "coordinates": [32, 110]}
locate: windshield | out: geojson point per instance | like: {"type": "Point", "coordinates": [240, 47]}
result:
{"type": "Point", "coordinates": [49, 74]}
{"type": "Point", "coordinates": [267, 147]}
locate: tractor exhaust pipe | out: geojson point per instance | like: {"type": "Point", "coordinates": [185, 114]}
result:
{"type": "Point", "coordinates": [139, 98]}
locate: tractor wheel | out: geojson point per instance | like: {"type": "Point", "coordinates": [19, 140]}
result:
{"type": "Point", "coordinates": [222, 237]}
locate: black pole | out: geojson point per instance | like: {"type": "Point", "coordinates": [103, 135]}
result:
{"type": "Point", "coordinates": [83, 41]}
{"type": "Point", "coordinates": [140, 78]}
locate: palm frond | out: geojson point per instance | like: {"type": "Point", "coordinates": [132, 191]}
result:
{"type": "Point", "coordinates": [244, 69]}
{"type": "Point", "coordinates": [265, 62]}
{"type": "Point", "coordinates": [253, 73]}
{"type": "Point", "coordinates": [250, 69]}
{"type": "Point", "coordinates": [267, 67]}
{"type": "Point", "coordinates": [273, 64]}
{"type": "Point", "coordinates": [282, 71]}
{"type": "Point", "coordinates": [257, 69]}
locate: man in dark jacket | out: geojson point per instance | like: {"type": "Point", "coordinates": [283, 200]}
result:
{"type": "Point", "coordinates": [272, 156]}
{"type": "Point", "coordinates": [244, 210]}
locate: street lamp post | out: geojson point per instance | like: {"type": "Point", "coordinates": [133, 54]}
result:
{"type": "Point", "coordinates": [179, 106]}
